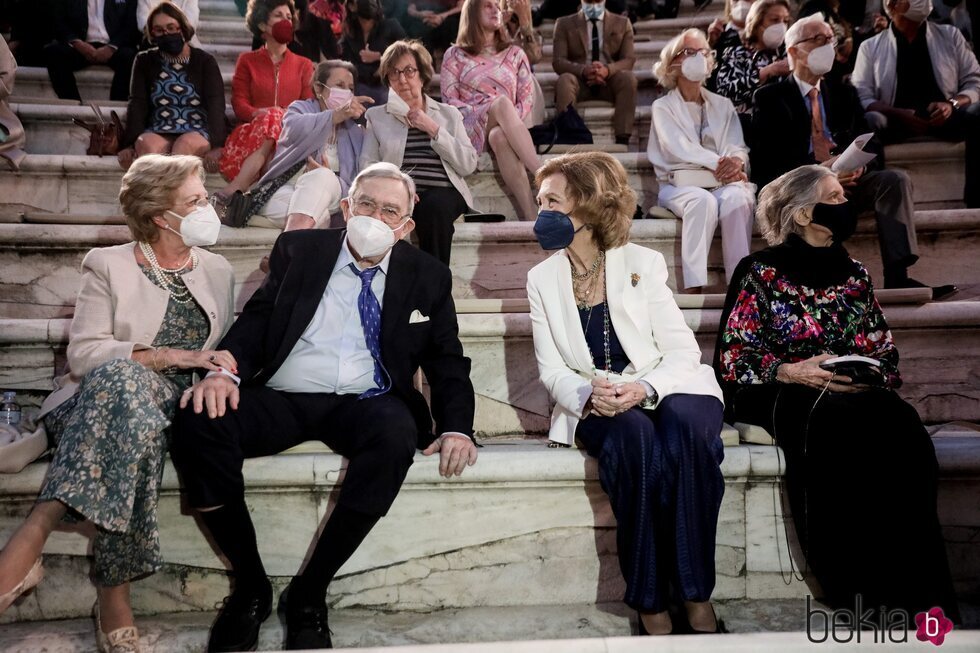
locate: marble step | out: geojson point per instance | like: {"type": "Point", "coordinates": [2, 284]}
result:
{"type": "Point", "coordinates": [931, 337]}
{"type": "Point", "coordinates": [526, 525]}
{"type": "Point", "coordinates": [760, 626]}
{"type": "Point", "coordinates": [219, 9]}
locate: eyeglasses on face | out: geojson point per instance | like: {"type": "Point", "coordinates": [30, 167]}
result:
{"type": "Point", "coordinates": [820, 40]}
{"type": "Point", "coordinates": [390, 215]}
{"type": "Point", "coordinates": [690, 52]}
{"type": "Point", "coordinates": [161, 30]}
{"type": "Point", "coordinates": [409, 72]}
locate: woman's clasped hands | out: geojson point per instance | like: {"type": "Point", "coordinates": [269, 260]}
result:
{"type": "Point", "coordinates": [610, 399]}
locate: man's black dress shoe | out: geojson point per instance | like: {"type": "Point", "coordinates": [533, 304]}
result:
{"type": "Point", "coordinates": [237, 626]}
{"type": "Point", "coordinates": [306, 624]}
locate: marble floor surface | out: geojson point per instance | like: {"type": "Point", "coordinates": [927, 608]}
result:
{"type": "Point", "coordinates": [187, 632]}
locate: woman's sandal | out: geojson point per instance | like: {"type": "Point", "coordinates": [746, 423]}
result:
{"type": "Point", "coordinates": [33, 577]}
{"type": "Point", "coordinates": [121, 640]}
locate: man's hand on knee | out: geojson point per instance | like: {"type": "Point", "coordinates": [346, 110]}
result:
{"type": "Point", "coordinates": [215, 392]}
{"type": "Point", "coordinates": [456, 451]}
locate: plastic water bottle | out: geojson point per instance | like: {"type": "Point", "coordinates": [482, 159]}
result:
{"type": "Point", "coordinates": [10, 409]}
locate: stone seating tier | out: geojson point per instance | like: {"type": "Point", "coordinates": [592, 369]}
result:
{"type": "Point", "coordinates": [526, 526]}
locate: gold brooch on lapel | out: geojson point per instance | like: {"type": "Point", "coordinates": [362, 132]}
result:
{"type": "Point", "coordinates": [634, 279]}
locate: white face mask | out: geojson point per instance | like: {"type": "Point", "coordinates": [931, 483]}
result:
{"type": "Point", "coordinates": [821, 60]}
{"type": "Point", "coordinates": [918, 10]}
{"type": "Point", "coordinates": [740, 11]}
{"type": "Point", "coordinates": [371, 238]}
{"type": "Point", "coordinates": [772, 36]}
{"type": "Point", "coordinates": [396, 106]}
{"type": "Point", "coordinates": [695, 68]}
{"type": "Point", "coordinates": [199, 228]}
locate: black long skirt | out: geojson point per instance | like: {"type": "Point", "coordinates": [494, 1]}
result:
{"type": "Point", "coordinates": [861, 476]}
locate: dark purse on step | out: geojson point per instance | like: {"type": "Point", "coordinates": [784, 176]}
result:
{"type": "Point", "coordinates": [240, 207]}
{"type": "Point", "coordinates": [104, 135]}
{"type": "Point", "coordinates": [566, 128]}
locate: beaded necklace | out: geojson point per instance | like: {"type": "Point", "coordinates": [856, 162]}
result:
{"type": "Point", "coordinates": [585, 284]}
{"type": "Point", "coordinates": [169, 278]}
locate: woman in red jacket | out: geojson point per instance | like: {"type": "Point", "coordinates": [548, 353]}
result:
{"type": "Point", "coordinates": [266, 81]}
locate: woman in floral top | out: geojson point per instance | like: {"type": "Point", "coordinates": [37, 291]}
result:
{"type": "Point", "coordinates": [861, 471]}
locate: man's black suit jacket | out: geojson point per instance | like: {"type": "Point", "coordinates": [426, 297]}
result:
{"type": "Point", "coordinates": [280, 310]}
{"type": "Point", "coordinates": [71, 22]}
{"type": "Point", "coordinates": [781, 126]}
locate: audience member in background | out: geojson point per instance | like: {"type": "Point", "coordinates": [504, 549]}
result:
{"type": "Point", "coordinates": [555, 9]}
{"type": "Point", "coordinates": [321, 25]}
{"type": "Point", "coordinates": [31, 24]}
{"type": "Point", "coordinates": [839, 16]}
{"type": "Point", "coordinates": [921, 79]}
{"type": "Point", "coordinates": [861, 471]}
{"type": "Point", "coordinates": [189, 7]}
{"type": "Point", "coordinates": [699, 156]}
{"type": "Point", "coordinates": [807, 119]}
{"type": "Point", "coordinates": [624, 370]}
{"type": "Point", "coordinates": [316, 156]}
{"type": "Point", "coordinates": [177, 98]}
{"type": "Point", "coordinates": [436, 22]}
{"type": "Point", "coordinates": [758, 60]}
{"type": "Point", "coordinates": [726, 32]}
{"type": "Point", "coordinates": [429, 142]}
{"type": "Point", "coordinates": [92, 33]}
{"type": "Point", "coordinates": [148, 316]}
{"type": "Point", "coordinates": [266, 81]}
{"type": "Point", "coordinates": [328, 349]}
{"type": "Point", "coordinates": [489, 81]}
{"type": "Point", "coordinates": [516, 17]}
{"type": "Point", "coordinates": [593, 56]}
{"type": "Point", "coordinates": [395, 9]}
{"type": "Point", "coordinates": [12, 137]}
{"type": "Point", "coordinates": [367, 34]}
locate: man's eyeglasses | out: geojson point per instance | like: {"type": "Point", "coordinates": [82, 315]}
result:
{"type": "Point", "coordinates": [390, 215]}
{"type": "Point", "coordinates": [820, 40]}
{"type": "Point", "coordinates": [409, 73]}
{"type": "Point", "coordinates": [172, 28]}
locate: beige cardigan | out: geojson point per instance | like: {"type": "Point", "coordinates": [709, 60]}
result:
{"type": "Point", "coordinates": [119, 311]}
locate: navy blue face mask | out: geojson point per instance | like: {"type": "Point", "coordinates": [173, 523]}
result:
{"type": "Point", "coordinates": [554, 230]}
{"type": "Point", "coordinates": [841, 219]}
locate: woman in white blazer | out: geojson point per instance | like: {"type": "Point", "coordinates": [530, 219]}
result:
{"type": "Point", "coordinates": [427, 140]}
{"type": "Point", "coordinates": [147, 315]}
{"type": "Point", "coordinates": [625, 373]}
{"type": "Point", "coordinates": [698, 152]}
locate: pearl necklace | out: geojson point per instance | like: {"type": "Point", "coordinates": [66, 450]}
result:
{"type": "Point", "coordinates": [170, 278]}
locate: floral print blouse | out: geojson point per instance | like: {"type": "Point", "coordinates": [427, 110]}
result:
{"type": "Point", "coordinates": [775, 321]}
{"type": "Point", "coordinates": [738, 74]}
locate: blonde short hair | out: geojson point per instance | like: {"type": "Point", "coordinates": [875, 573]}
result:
{"type": "Point", "coordinates": [756, 15]}
{"type": "Point", "coordinates": [600, 194]}
{"type": "Point", "coordinates": [397, 50]}
{"type": "Point", "coordinates": [664, 72]}
{"type": "Point", "coordinates": [149, 188]}
{"type": "Point", "coordinates": [782, 199]}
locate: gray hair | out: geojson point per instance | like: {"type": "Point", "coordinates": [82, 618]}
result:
{"type": "Point", "coordinates": [324, 68]}
{"type": "Point", "coordinates": [798, 31]}
{"type": "Point", "coordinates": [662, 70]}
{"type": "Point", "coordinates": [785, 197]}
{"type": "Point", "coordinates": [384, 170]}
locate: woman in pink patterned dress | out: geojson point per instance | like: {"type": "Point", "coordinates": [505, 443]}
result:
{"type": "Point", "coordinates": [490, 82]}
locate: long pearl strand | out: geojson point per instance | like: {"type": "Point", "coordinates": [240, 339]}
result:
{"type": "Point", "coordinates": [169, 278]}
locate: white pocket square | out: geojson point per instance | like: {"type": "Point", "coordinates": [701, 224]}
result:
{"type": "Point", "coordinates": [417, 317]}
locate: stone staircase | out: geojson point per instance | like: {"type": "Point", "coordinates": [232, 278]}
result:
{"type": "Point", "coordinates": [529, 525]}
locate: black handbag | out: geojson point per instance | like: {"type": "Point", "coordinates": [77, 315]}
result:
{"type": "Point", "coordinates": [240, 207]}
{"type": "Point", "coordinates": [566, 128]}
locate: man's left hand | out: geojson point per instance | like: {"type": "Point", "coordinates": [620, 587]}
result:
{"type": "Point", "coordinates": [601, 72]}
{"type": "Point", "coordinates": [455, 453]}
{"type": "Point", "coordinates": [939, 112]}
{"type": "Point", "coordinates": [103, 54]}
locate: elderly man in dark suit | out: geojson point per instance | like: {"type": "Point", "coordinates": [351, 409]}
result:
{"type": "Point", "coordinates": [93, 33]}
{"type": "Point", "coordinates": [327, 349]}
{"type": "Point", "coordinates": [594, 59]}
{"type": "Point", "coordinates": [808, 119]}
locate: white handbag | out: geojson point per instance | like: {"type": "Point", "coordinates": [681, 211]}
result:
{"type": "Point", "coordinates": [697, 177]}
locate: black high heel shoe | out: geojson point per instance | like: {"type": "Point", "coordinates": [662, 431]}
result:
{"type": "Point", "coordinates": [641, 630]}
{"type": "Point", "coordinates": [688, 629]}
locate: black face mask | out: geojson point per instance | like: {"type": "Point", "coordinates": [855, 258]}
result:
{"type": "Point", "coordinates": [841, 219]}
{"type": "Point", "coordinates": [172, 44]}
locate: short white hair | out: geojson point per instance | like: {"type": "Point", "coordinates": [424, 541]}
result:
{"type": "Point", "coordinates": [384, 170]}
{"type": "Point", "coordinates": [662, 69]}
{"type": "Point", "coordinates": [796, 33]}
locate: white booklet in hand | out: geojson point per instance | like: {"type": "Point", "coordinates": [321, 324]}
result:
{"type": "Point", "coordinates": [854, 156]}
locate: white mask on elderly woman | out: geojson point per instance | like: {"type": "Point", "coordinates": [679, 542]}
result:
{"type": "Point", "coordinates": [918, 10]}
{"type": "Point", "coordinates": [740, 11]}
{"type": "Point", "coordinates": [199, 228]}
{"type": "Point", "coordinates": [695, 68]}
{"type": "Point", "coordinates": [772, 36]}
{"type": "Point", "coordinates": [397, 106]}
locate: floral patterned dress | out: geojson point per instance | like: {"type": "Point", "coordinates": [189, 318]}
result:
{"type": "Point", "coordinates": [737, 75]}
{"type": "Point", "coordinates": [471, 84]}
{"type": "Point", "coordinates": [111, 446]}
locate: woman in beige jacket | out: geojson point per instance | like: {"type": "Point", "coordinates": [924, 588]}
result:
{"type": "Point", "coordinates": [147, 315]}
